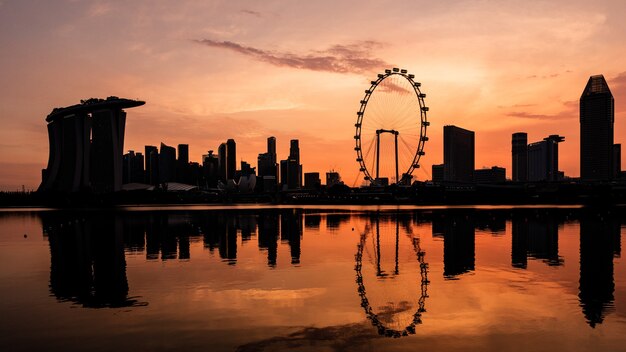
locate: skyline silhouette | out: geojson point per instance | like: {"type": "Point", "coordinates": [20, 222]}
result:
{"type": "Point", "coordinates": [195, 80]}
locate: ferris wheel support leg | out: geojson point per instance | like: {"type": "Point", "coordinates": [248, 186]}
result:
{"type": "Point", "coordinates": [377, 154]}
{"type": "Point", "coordinates": [396, 139]}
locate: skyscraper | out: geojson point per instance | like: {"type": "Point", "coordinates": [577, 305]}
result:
{"type": "Point", "coordinates": [458, 154]}
{"type": "Point", "coordinates": [152, 164]}
{"type": "Point", "coordinates": [221, 155]}
{"type": "Point", "coordinates": [167, 164]}
{"type": "Point", "coordinates": [231, 159]}
{"type": "Point", "coordinates": [519, 162]}
{"type": "Point", "coordinates": [597, 114]}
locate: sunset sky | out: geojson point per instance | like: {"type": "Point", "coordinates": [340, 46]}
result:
{"type": "Point", "coordinates": [212, 70]}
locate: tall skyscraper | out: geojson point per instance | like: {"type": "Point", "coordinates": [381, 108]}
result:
{"type": "Point", "coordinates": [231, 159]}
{"type": "Point", "coordinates": [519, 162]}
{"type": "Point", "coordinates": [221, 155]}
{"type": "Point", "coordinates": [183, 173]}
{"type": "Point", "coordinates": [291, 169]}
{"type": "Point", "coordinates": [152, 164]}
{"type": "Point", "coordinates": [294, 150]}
{"type": "Point", "coordinates": [597, 115]}
{"type": "Point", "coordinates": [210, 166]}
{"type": "Point", "coordinates": [458, 154]}
{"type": "Point", "coordinates": [167, 164]}
{"type": "Point", "coordinates": [271, 151]}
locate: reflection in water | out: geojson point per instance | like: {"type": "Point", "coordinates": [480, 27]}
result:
{"type": "Point", "coordinates": [535, 237]}
{"type": "Point", "coordinates": [88, 264]}
{"type": "Point", "coordinates": [458, 243]}
{"type": "Point", "coordinates": [391, 314]}
{"type": "Point", "coordinates": [87, 260]}
{"type": "Point", "coordinates": [597, 247]}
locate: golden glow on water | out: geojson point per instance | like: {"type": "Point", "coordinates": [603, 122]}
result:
{"type": "Point", "coordinates": [494, 279]}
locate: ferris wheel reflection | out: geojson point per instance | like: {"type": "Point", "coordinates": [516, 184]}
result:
{"type": "Point", "coordinates": [394, 300]}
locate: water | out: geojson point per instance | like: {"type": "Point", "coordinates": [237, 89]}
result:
{"type": "Point", "coordinates": [316, 278]}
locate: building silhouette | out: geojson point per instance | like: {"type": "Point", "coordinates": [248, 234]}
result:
{"type": "Point", "coordinates": [494, 174]}
{"type": "Point", "coordinates": [210, 169]}
{"type": "Point", "coordinates": [267, 167]}
{"type": "Point", "coordinates": [167, 164]}
{"type": "Point", "coordinates": [458, 154]}
{"type": "Point", "coordinates": [312, 180]}
{"type": "Point", "coordinates": [597, 115]}
{"type": "Point", "coordinates": [183, 170]}
{"type": "Point", "coordinates": [519, 162]}
{"type": "Point", "coordinates": [133, 168]}
{"type": "Point", "coordinates": [152, 164]}
{"type": "Point", "coordinates": [221, 155]}
{"type": "Point", "coordinates": [86, 145]}
{"type": "Point", "coordinates": [437, 172]}
{"type": "Point", "coordinates": [231, 159]}
{"type": "Point", "coordinates": [291, 169]}
{"type": "Point", "coordinates": [543, 159]}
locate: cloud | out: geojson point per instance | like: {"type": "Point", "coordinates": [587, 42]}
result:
{"type": "Point", "coordinates": [527, 115]}
{"type": "Point", "coordinates": [351, 58]}
{"type": "Point", "coordinates": [252, 13]}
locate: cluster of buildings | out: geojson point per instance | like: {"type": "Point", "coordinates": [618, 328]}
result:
{"type": "Point", "coordinates": [600, 158]}
{"type": "Point", "coordinates": [162, 168]}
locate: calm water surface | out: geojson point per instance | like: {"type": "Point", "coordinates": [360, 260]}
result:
{"type": "Point", "coordinates": [318, 279]}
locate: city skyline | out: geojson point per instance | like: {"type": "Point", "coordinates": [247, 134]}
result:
{"type": "Point", "coordinates": [196, 77]}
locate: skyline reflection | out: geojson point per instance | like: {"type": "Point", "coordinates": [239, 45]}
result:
{"type": "Point", "coordinates": [88, 250]}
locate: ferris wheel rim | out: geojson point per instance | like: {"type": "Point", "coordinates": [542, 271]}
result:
{"type": "Point", "coordinates": [423, 122]}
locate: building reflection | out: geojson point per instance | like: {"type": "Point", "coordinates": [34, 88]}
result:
{"type": "Point", "coordinates": [535, 236]}
{"type": "Point", "coordinates": [458, 235]}
{"type": "Point", "coordinates": [599, 243]}
{"type": "Point", "coordinates": [88, 265]}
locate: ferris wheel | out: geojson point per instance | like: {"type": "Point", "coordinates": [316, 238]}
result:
{"type": "Point", "coordinates": [391, 128]}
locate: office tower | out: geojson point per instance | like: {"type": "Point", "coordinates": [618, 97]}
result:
{"type": "Point", "coordinates": [211, 170]}
{"type": "Point", "coordinates": [437, 173]}
{"type": "Point", "coordinates": [291, 169]}
{"type": "Point", "coordinates": [493, 175]}
{"type": "Point", "coordinates": [294, 150]}
{"type": "Point", "coordinates": [86, 145]}
{"type": "Point", "coordinates": [271, 151]}
{"type": "Point", "coordinates": [221, 154]}
{"type": "Point", "coordinates": [152, 164]}
{"type": "Point", "coordinates": [597, 114]}
{"type": "Point", "coordinates": [519, 162]}
{"type": "Point", "coordinates": [182, 164]}
{"type": "Point", "coordinates": [458, 154]}
{"type": "Point", "coordinates": [332, 178]}
{"type": "Point", "coordinates": [543, 159]}
{"type": "Point", "coordinates": [231, 159]}
{"type": "Point", "coordinates": [133, 167]}
{"type": "Point", "coordinates": [312, 180]}
{"type": "Point", "coordinates": [167, 164]}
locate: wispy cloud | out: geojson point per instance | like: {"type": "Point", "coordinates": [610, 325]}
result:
{"type": "Point", "coordinates": [558, 116]}
{"type": "Point", "coordinates": [251, 13]}
{"type": "Point", "coordinates": [350, 58]}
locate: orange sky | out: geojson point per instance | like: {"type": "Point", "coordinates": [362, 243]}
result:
{"type": "Point", "coordinates": [248, 70]}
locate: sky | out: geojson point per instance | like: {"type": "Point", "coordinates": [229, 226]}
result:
{"type": "Point", "coordinates": [213, 70]}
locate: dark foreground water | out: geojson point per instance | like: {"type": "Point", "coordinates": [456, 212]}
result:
{"type": "Point", "coordinates": [353, 278]}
